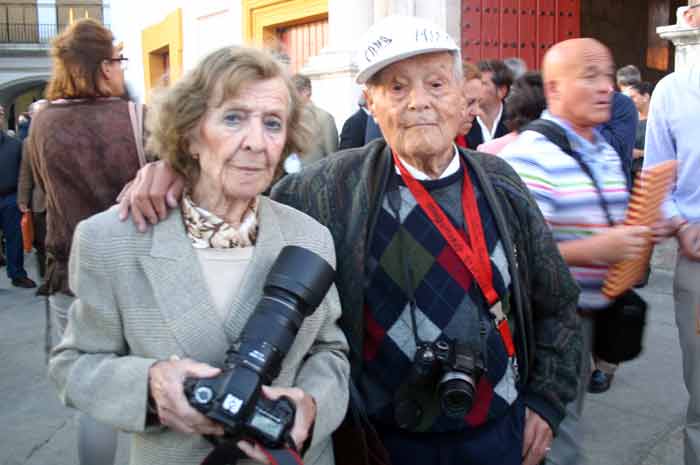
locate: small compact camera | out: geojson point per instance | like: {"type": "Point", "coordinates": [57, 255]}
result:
{"type": "Point", "coordinates": [447, 370]}
{"type": "Point", "coordinates": [295, 286]}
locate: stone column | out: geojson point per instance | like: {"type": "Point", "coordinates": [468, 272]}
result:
{"type": "Point", "coordinates": [333, 71]}
{"type": "Point", "coordinates": [686, 40]}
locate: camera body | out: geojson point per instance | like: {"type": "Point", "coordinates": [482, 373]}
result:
{"type": "Point", "coordinates": [443, 370]}
{"type": "Point", "coordinates": [295, 286]}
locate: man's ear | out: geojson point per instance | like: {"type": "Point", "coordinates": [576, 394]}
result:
{"type": "Point", "coordinates": [502, 92]}
{"type": "Point", "coordinates": [551, 91]}
{"type": "Point", "coordinates": [369, 101]}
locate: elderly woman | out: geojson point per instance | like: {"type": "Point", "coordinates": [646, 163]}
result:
{"type": "Point", "coordinates": [154, 309]}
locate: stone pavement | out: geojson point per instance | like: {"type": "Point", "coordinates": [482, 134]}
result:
{"type": "Point", "coordinates": [638, 422]}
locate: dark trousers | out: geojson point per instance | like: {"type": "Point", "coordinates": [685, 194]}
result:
{"type": "Point", "coordinates": [39, 220]}
{"type": "Point", "coordinates": [10, 218]}
{"type": "Point", "coordinates": [499, 442]}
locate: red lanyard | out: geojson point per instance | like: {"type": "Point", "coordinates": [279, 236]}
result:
{"type": "Point", "coordinates": [475, 256]}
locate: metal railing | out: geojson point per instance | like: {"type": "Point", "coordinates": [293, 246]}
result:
{"type": "Point", "coordinates": [38, 23]}
{"type": "Point", "coordinates": [27, 33]}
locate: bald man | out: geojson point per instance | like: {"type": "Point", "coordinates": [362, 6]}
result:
{"type": "Point", "coordinates": [578, 79]}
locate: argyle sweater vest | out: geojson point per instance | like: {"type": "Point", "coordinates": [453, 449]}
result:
{"type": "Point", "coordinates": [408, 256]}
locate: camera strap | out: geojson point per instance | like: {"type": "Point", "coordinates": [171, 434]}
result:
{"type": "Point", "coordinates": [474, 254]}
{"type": "Point", "coordinates": [228, 453]}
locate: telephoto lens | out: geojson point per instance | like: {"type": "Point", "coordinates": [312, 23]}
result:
{"type": "Point", "coordinates": [296, 284]}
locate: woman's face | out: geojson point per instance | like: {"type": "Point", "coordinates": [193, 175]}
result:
{"type": "Point", "coordinates": [472, 94]}
{"type": "Point", "coordinates": [239, 143]}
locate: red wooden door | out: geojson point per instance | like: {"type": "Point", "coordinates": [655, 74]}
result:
{"type": "Point", "coordinates": [517, 28]}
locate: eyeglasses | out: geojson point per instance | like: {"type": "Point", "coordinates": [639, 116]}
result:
{"type": "Point", "coordinates": [123, 61]}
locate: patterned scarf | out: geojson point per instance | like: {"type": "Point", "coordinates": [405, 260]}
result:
{"type": "Point", "coordinates": [206, 230]}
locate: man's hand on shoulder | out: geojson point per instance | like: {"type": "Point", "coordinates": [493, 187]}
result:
{"type": "Point", "coordinates": [156, 188]}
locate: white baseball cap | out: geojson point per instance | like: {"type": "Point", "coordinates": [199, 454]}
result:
{"type": "Point", "coordinates": [396, 38]}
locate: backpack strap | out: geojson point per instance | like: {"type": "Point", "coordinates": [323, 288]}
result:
{"type": "Point", "coordinates": [557, 136]}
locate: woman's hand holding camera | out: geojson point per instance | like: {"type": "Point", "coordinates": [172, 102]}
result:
{"type": "Point", "coordinates": [303, 419]}
{"type": "Point", "coordinates": [165, 382]}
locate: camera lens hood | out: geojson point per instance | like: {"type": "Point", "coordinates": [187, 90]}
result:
{"type": "Point", "coordinates": [302, 273]}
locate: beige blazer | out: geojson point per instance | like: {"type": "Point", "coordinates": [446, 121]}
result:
{"type": "Point", "coordinates": [142, 298]}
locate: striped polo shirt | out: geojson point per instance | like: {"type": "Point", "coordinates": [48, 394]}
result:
{"type": "Point", "coordinates": [567, 197]}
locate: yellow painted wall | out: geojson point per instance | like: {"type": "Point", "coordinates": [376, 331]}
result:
{"type": "Point", "coordinates": [156, 39]}
{"type": "Point", "coordinates": [261, 17]}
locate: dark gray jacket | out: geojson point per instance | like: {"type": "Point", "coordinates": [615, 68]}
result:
{"type": "Point", "coordinates": [344, 191]}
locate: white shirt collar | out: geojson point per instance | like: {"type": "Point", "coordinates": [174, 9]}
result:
{"type": "Point", "coordinates": [417, 174]}
{"type": "Point", "coordinates": [490, 135]}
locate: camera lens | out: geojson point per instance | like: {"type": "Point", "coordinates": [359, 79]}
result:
{"type": "Point", "coordinates": [203, 395]}
{"type": "Point", "coordinates": [456, 394]}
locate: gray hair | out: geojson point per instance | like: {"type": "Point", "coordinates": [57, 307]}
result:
{"type": "Point", "coordinates": [517, 66]}
{"type": "Point", "coordinates": [628, 75]}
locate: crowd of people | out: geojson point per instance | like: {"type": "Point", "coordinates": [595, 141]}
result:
{"type": "Point", "coordinates": [470, 211]}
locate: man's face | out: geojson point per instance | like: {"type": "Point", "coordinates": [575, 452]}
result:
{"type": "Point", "coordinates": [585, 88]}
{"type": "Point", "coordinates": [641, 101]}
{"type": "Point", "coordinates": [692, 14]}
{"type": "Point", "coordinates": [491, 95]}
{"type": "Point", "coordinates": [417, 103]}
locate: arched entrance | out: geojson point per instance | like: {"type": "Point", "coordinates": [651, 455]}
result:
{"type": "Point", "coordinates": [17, 95]}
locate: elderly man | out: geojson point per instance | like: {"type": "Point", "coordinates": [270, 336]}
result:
{"type": "Point", "coordinates": [459, 310]}
{"type": "Point", "coordinates": [581, 208]}
{"type": "Point", "coordinates": [672, 135]}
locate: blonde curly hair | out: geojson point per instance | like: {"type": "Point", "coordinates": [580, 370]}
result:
{"type": "Point", "coordinates": [177, 111]}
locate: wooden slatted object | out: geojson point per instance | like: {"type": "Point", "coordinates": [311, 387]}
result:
{"type": "Point", "coordinates": [649, 191]}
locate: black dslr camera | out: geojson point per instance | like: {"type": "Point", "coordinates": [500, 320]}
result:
{"type": "Point", "coordinates": [448, 369]}
{"type": "Point", "coordinates": [295, 286]}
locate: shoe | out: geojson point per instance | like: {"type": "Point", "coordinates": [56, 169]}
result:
{"type": "Point", "coordinates": [43, 289]}
{"type": "Point", "coordinates": [23, 282]}
{"type": "Point", "coordinates": [600, 382]}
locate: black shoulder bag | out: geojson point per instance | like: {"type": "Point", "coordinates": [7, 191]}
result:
{"type": "Point", "coordinates": [619, 328]}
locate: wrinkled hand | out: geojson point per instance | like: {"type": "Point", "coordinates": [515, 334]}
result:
{"type": "Point", "coordinates": [689, 240]}
{"type": "Point", "coordinates": [156, 188]}
{"type": "Point", "coordinates": [665, 228]}
{"type": "Point", "coordinates": [537, 438]}
{"type": "Point", "coordinates": [23, 208]}
{"type": "Point", "coordinates": [622, 242]}
{"type": "Point", "coordinates": [165, 381]}
{"type": "Point", "coordinates": [303, 420]}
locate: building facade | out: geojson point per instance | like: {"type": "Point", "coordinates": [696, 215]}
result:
{"type": "Point", "coordinates": [26, 29]}
{"type": "Point", "coordinates": [164, 38]}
